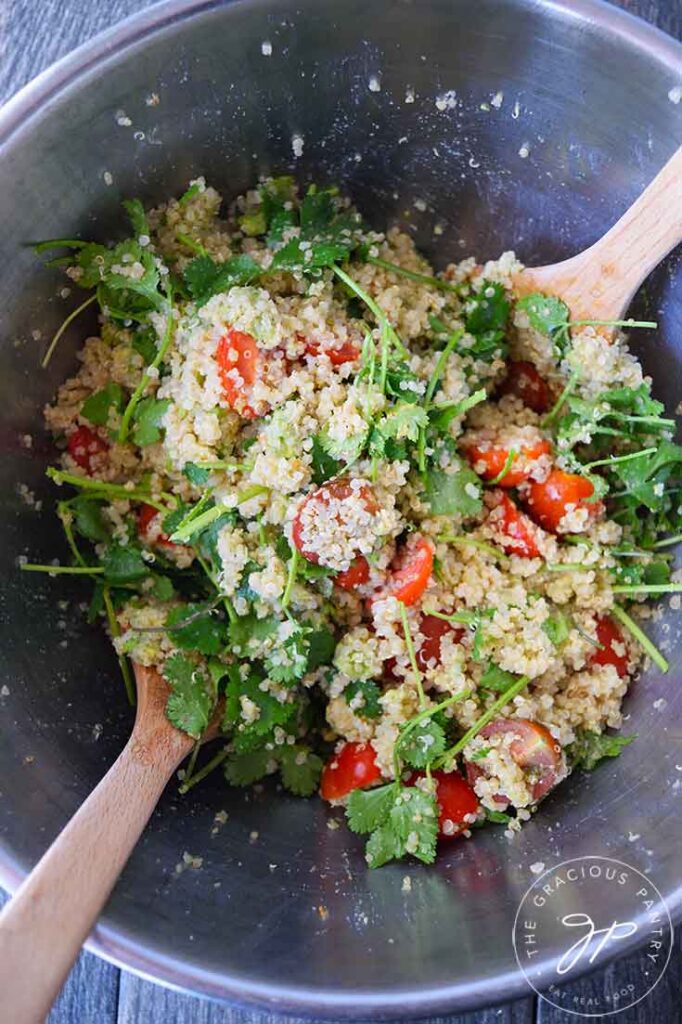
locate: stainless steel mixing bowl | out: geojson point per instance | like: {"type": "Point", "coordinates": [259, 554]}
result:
{"type": "Point", "coordinates": [294, 919]}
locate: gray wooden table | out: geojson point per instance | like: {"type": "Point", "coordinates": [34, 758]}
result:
{"type": "Point", "coordinates": [33, 34]}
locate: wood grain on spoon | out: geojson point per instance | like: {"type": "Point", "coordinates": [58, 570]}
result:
{"type": "Point", "coordinates": [599, 283]}
{"type": "Point", "coordinates": [45, 924]}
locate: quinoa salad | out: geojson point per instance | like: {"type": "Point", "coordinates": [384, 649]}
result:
{"type": "Point", "coordinates": [391, 532]}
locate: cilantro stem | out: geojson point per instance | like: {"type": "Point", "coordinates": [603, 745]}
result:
{"type": "Point", "coordinates": [191, 244]}
{"type": "Point", "coordinates": [146, 376]}
{"type": "Point", "coordinates": [66, 519]}
{"type": "Point", "coordinates": [412, 275]}
{"type": "Point", "coordinates": [569, 567]}
{"type": "Point", "coordinates": [192, 759]}
{"type": "Point", "coordinates": [105, 490]}
{"type": "Point", "coordinates": [64, 570]}
{"type": "Point", "coordinates": [441, 363]}
{"type": "Point", "coordinates": [612, 460]}
{"type": "Point", "coordinates": [203, 772]}
{"type": "Point", "coordinates": [667, 541]}
{"type": "Point", "coordinates": [57, 243]}
{"type": "Point", "coordinates": [612, 323]}
{"type": "Point", "coordinates": [414, 722]}
{"type": "Point", "coordinates": [508, 462]}
{"type": "Point", "coordinates": [291, 578]}
{"type": "Point", "coordinates": [644, 641]}
{"type": "Point", "coordinates": [461, 743]}
{"type": "Point", "coordinates": [648, 588]}
{"type": "Point", "coordinates": [464, 541]}
{"type": "Point", "coordinates": [115, 631]}
{"type": "Point", "coordinates": [251, 492]}
{"type": "Point", "coordinates": [411, 654]}
{"type": "Point", "coordinates": [381, 317]}
{"type": "Point", "coordinates": [69, 320]}
{"type": "Point", "coordinates": [459, 618]}
{"type": "Point", "coordinates": [556, 408]}
{"type": "Point", "coordinates": [192, 524]}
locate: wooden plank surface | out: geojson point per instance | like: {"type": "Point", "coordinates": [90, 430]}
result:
{"type": "Point", "coordinates": [33, 34]}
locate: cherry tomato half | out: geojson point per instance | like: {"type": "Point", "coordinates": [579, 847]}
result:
{"type": "Point", "coordinates": [609, 634]}
{"type": "Point", "coordinates": [330, 496]}
{"type": "Point", "coordinates": [347, 352]}
{"type": "Point", "coordinates": [549, 501]}
{"type": "Point", "coordinates": [432, 630]}
{"type": "Point", "coordinates": [533, 748]}
{"type": "Point", "coordinates": [524, 381]}
{"type": "Point", "coordinates": [456, 801]}
{"type": "Point", "coordinates": [84, 445]}
{"type": "Point", "coordinates": [352, 767]}
{"type": "Point", "coordinates": [516, 527]}
{"type": "Point", "coordinates": [409, 573]}
{"type": "Point", "coordinates": [489, 461]}
{"type": "Point", "coordinates": [146, 517]}
{"type": "Point", "coordinates": [354, 576]}
{"type": "Point", "coordinates": [238, 361]}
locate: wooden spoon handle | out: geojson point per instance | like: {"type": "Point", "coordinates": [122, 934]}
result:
{"type": "Point", "coordinates": [600, 282]}
{"type": "Point", "coordinates": [44, 926]}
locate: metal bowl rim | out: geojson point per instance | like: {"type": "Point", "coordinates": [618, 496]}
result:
{"type": "Point", "coordinates": [109, 942]}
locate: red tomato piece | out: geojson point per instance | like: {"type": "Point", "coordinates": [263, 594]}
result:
{"type": "Point", "coordinates": [84, 445]}
{"type": "Point", "coordinates": [238, 361]}
{"type": "Point", "coordinates": [489, 461]}
{"type": "Point", "coordinates": [354, 576]}
{"type": "Point", "coordinates": [515, 526]}
{"type": "Point", "coordinates": [409, 573]}
{"type": "Point", "coordinates": [352, 767]}
{"type": "Point", "coordinates": [433, 630]}
{"type": "Point", "coordinates": [549, 501]}
{"type": "Point", "coordinates": [347, 352]}
{"type": "Point", "coordinates": [609, 634]}
{"type": "Point", "coordinates": [533, 748]}
{"type": "Point", "coordinates": [146, 517]}
{"type": "Point", "coordinates": [335, 492]}
{"type": "Point", "coordinates": [524, 381]}
{"type": "Point", "coordinates": [456, 801]}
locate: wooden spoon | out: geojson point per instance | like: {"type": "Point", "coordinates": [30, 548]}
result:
{"type": "Point", "coordinates": [45, 924]}
{"type": "Point", "coordinates": [599, 283]}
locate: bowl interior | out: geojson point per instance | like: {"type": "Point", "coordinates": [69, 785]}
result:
{"type": "Point", "coordinates": [283, 910]}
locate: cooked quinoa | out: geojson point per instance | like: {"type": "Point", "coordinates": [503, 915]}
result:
{"type": "Point", "coordinates": [388, 528]}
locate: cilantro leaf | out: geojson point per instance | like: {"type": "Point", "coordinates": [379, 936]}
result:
{"type": "Point", "coordinates": [97, 408]}
{"type": "Point", "coordinates": [271, 712]}
{"type": "Point", "coordinates": [138, 218]}
{"type": "Point", "coordinates": [557, 627]}
{"type": "Point", "coordinates": [345, 449]}
{"type": "Point", "coordinates": [205, 278]}
{"type": "Point", "coordinates": [162, 589]}
{"type": "Point", "coordinates": [248, 634]}
{"type": "Point", "coordinates": [287, 662]}
{"type": "Point", "coordinates": [145, 343]}
{"type": "Point", "coordinates": [589, 748]}
{"type": "Point", "coordinates": [124, 564]}
{"type": "Point", "coordinates": [321, 647]}
{"type": "Point", "coordinates": [363, 698]}
{"type": "Point", "coordinates": [454, 492]}
{"type": "Point", "coordinates": [328, 234]}
{"type": "Point", "coordinates": [300, 769]}
{"type": "Point", "coordinates": [423, 744]}
{"type": "Point", "coordinates": [148, 419]}
{"type": "Point", "coordinates": [486, 312]}
{"type": "Point", "coordinates": [414, 821]}
{"type": "Point", "coordinates": [247, 768]}
{"type": "Point", "coordinates": [383, 846]}
{"type": "Point", "coordinates": [545, 313]}
{"type": "Point", "coordinates": [367, 809]}
{"type": "Point", "coordinates": [403, 421]}
{"type": "Point", "coordinates": [192, 695]}
{"type": "Point", "coordinates": [195, 474]}
{"type": "Point", "coordinates": [88, 518]}
{"type": "Point", "coordinates": [496, 679]}
{"type": "Point", "coordinates": [204, 633]}
{"type": "Point", "coordinates": [323, 466]}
